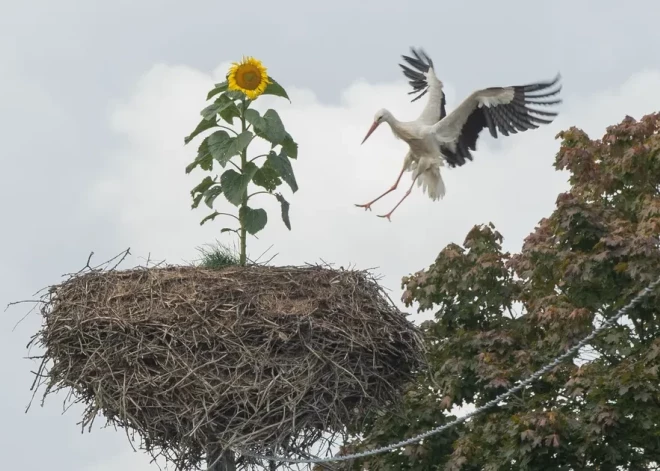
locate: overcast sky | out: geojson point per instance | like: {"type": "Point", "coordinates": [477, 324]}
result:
{"type": "Point", "coordinates": [96, 97]}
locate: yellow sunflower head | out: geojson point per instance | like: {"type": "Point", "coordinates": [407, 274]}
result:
{"type": "Point", "coordinates": [249, 77]}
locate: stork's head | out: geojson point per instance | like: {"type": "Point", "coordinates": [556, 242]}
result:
{"type": "Point", "coordinates": [381, 116]}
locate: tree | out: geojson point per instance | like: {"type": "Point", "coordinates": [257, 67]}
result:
{"type": "Point", "coordinates": [500, 317]}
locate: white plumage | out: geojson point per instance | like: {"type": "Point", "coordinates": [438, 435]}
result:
{"type": "Point", "coordinates": [436, 138]}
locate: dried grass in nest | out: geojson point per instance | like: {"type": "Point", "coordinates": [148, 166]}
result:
{"type": "Point", "coordinates": [261, 359]}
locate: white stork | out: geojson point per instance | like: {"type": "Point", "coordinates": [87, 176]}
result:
{"type": "Point", "coordinates": [435, 137]}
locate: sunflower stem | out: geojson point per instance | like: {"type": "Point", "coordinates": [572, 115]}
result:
{"type": "Point", "coordinates": [244, 202]}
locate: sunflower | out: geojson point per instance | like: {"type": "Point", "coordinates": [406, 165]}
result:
{"type": "Point", "coordinates": [249, 77]}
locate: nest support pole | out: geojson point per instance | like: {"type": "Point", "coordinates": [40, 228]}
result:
{"type": "Point", "coordinates": [227, 461]}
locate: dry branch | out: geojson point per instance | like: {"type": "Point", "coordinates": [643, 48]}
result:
{"type": "Point", "coordinates": [265, 359]}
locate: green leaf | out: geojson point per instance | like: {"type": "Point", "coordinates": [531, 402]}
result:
{"type": "Point", "coordinates": [219, 144]}
{"type": "Point", "coordinates": [219, 88]}
{"type": "Point", "coordinates": [223, 146]}
{"type": "Point", "coordinates": [235, 95]}
{"type": "Point", "coordinates": [253, 117]}
{"type": "Point", "coordinates": [276, 89]}
{"type": "Point", "coordinates": [267, 177]}
{"type": "Point", "coordinates": [284, 204]}
{"type": "Point", "coordinates": [197, 199]}
{"type": "Point", "coordinates": [274, 130]}
{"type": "Point", "coordinates": [227, 229]}
{"type": "Point", "coordinates": [281, 163]}
{"type": "Point", "coordinates": [203, 125]}
{"type": "Point", "coordinates": [235, 184]}
{"type": "Point", "coordinates": [253, 220]}
{"type": "Point", "coordinates": [198, 192]}
{"type": "Point", "coordinates": [240, 143]}
{"type": "Point", "coordinates": [223, 102]}
{"type": "Point", "coordinates": [210, 217]}
{"type": "Point", "coordinates": [290, 146]}
{"type": "Point", "coordinates": [229, 113]}
{"type": "Point", "coordinates": [211, 194]}
{"type": "Point", "coordinates": [202, 186]}
{"type": "Point", "coordinates": [270, 127]}
{"type": "Point", "coordinates": [204, 158]}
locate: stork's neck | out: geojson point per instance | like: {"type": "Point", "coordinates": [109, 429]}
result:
{"type": "Point", "coordinates": [398, 127]}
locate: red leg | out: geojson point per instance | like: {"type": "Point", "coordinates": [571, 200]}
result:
{"type": "Point", "coordinates": [401, 201]}
{"type": "Point", "coordinates": [394, 187]}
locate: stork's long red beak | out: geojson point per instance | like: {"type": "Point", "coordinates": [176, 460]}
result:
{"type": "Point", "coordinates": [371, 129]}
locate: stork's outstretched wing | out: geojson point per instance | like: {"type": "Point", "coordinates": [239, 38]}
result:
{"type": "Point", "coordinates": [503, 109]}
{"type": "Point", "coordinates": [435, 108]}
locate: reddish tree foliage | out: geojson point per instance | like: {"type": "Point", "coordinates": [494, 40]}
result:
{"type": "Point", "coordinates": [500, 317]}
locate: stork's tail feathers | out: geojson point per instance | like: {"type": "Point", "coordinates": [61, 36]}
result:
{"type": "Point", "coordinates": [431, 182]}
{"type": "Point", "coordinates": [418, 78]}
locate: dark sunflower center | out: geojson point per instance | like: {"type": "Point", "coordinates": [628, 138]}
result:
{"type": "Point", "coordinates": [248, 77]}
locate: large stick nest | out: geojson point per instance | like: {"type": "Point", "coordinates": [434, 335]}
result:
{"type": "Point", "coordinates": [260, 359]}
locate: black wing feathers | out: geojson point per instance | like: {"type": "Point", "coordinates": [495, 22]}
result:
{"type": "Point", "coordinates": [518, 115]}
{"type": "Point", "coordinates": [468, 140]}
{"type": "Point", "coordinates": [508, 118]}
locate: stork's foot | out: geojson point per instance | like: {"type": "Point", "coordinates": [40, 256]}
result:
{"type": "Point", "coordinates": [366, 206]}
{"type": "Point", "coordinates": [389, 215]}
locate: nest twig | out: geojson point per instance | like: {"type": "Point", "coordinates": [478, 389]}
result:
{"type": "Point", "coordinates": [265, 359]}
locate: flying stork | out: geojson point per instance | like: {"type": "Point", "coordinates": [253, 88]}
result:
{"type": "Point", "coordinates": [435, 137]}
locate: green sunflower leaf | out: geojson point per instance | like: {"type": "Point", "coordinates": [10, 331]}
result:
{"type": "Point", "coordinates": [202, 186]}
{"type": "Point", "coordinates": [219, 144]}
{"type": "Point", "coordinates": [223, 147]}
{"type": "Point", "coordinates": [219, 88]}
{"type": "Point", "coordinates": [253, 117]}
{"type": "Point", "coordinates": [284, 205]}
{"type": "Point", "coordinates": [239, 144]}
{"type": "Point", "coordinates": [234, 95]}
{"type": "Point", "coordinates": [229, 113]}
{"type": "Point", "coordinates": [198, 192]}
{"type": "Point", "coordinates": [222, 102]}
{"type": "Point", "coordinates": [267, 177]}
{"type": "Point", "coordinates": [197, 199]}
{"type": "Point", "coordinates": [268, 127]}
{"type": "Point", "coordinates": [203, 125]}
{"type": "Point", "coordinates": [281, 163]}
{"type": "Point", "coordinates": [235, 184]}
{"type": "Point", "coordinates": [274, 88]}
{"type": "Point", "coordinates": [253, 220]}
{"type": "Point", "coordinates": [290, 146]}
{"type": "Point", "coordinates": [211, 194]}
{"type": "Point", "coordinates": [204, 158]}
